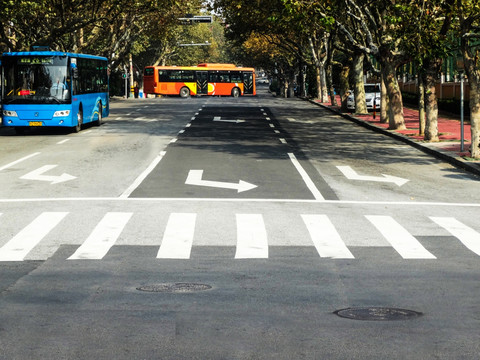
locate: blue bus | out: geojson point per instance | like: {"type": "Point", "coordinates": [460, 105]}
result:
{"type": "Point", "coordinates": [49, 88]}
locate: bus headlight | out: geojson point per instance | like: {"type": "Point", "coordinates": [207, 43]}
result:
{"type": "Point", "coordinates": [61, 113]}
{"type": "Point", "coordinates": [10, 113]}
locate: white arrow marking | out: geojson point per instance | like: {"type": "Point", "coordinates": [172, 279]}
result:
{"type": "Point", "coordinates": [352, 175]}
{"type": "Point", "coordinates": [219, 118]}
{"type": "Point", "coordinates": [38, 175]}
{"type": "Point", "coordinates": [195, 178]}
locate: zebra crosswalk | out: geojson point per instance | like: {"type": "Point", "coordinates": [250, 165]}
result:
{"type": "Point", "coordinates": [176, 239]}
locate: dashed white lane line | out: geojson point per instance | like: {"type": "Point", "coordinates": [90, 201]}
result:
{"type": "Point", "coordinates": [13, 163]}
{"type": "Point", "coordinates": [142, 176]}
{"type": "Point", "coordinates": [308, 181]}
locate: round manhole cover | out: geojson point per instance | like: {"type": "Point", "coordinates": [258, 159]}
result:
{"type": "Point", "coordinates": [377, 313]}
{"type": "Point", "coordinates": [174, 287]}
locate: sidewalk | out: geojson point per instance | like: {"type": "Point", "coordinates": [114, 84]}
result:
{"type": "Point", "coordinates": [448, 148]}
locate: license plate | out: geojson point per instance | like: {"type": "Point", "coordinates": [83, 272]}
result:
{"type": "Point", "coordinates": [35, 123]}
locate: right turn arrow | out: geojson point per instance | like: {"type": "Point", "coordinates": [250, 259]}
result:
{"type": "Point", "coordinates": [195, 178]}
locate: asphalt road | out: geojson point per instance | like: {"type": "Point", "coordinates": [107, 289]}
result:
{"type": "Point", "coordinates": [219, 228]}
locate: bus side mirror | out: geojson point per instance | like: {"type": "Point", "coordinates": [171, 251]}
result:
{"type": "Point", "coordinates": [74, 71]}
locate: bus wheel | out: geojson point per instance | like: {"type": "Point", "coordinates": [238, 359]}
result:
{"type": "Point", "coordinates": [235, 92]}
{"type": "Point", "coordinates": [184, 92]}
{"type": "Point", "coordinates": [78, 127]}
{"type": "Point", "coordinates": [100, 117]}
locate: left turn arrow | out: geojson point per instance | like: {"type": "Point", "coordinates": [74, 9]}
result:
{"type": "Point", "coordinates": [39, 175]}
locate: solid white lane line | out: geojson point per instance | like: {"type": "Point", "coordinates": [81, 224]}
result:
{"type": "Point", "coordinates": [178, 236]}
{"type": "Point", "coordinates": [142, 176]}
{"type": "Point", "coordinates": [252, 240]}
{"type": "Point", "coordinates": [469, 237]}
{"type": "Point", "coordinates": [18, 161]}
{"type": "Point", "coordinates": [325, 237]}
{"type": "Point", "coordinates": [62, 141]}
{"type": "Point", "coordinates": [308, 181]}
{"type": "Point", "coordinates": [103, 236]}
{"type": "Point", "coordinates": [401, 240]}
{"type": "Point", "coordinates": [22, 243]}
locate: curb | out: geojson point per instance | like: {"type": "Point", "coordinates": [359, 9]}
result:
{"type": "Point", "coordinates": [454, 160]}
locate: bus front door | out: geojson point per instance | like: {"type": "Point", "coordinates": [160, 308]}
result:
{"type": "Point", "coordinates": [202, 82]}
{"type": "Point", "coordinates": [248, 83]}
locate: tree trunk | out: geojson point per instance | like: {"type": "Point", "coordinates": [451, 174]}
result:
{"type": "Point", "coordinates": [431, 103]}
{"type": "Point", "coordinates": [344, 86]}
{"type": "Point", "coordinates": [323, 83]}
{"type": "Point", "coordinates": [396, 120]}
{"type": "Point", "coordinates": [474, 81]}
{"type": "Point", "coordinates": [358, 87]}
{"type": "Point", "coordinates": [383, 102]}
{"type": "Point", "coordinates": [319, 83]}
{"type": "Point", "coordinates": [331, 89]}
{"type": "Point", "coordinates": [421, 106]}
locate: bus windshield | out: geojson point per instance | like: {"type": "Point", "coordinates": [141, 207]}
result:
{"type": "Point", "coordinates": [36, 80]}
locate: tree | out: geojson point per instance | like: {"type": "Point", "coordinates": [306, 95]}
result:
{"type": "Point", "coordinates": [468, 12]}
{"type": "Point", "coordinates": [112, 28]}
{"type": "Point", "coordinates": [425, 32]}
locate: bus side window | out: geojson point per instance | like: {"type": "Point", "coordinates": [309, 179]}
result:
{"type": "Point", "coordinates": [236, 76]}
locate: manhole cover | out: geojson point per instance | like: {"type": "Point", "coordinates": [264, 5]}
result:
{"type": "Point", "coordinates": [174, 287]}
{"type": "Point", "coordinates": [377, 313]}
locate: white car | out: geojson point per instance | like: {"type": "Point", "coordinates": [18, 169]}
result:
{"type": "Point", "coordinates": [263, 80]}
{"type": "Point", "coordinates": [372, 92]}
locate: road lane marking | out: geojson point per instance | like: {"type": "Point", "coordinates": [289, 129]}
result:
{"type": "Point", "coordinates": [178, 237]}
{"type": "Point", "coordinates": [142, 176]}
{"type": "Point", "coordinates": [13, 163]}
{"type": "Point", "coordinates": [38, 175]}
{"type": "Point", "coordinates": [351, 174]}
{"type": "Point", "coordinates": [252, 240]}
{"type": "Point", "coordinates": [62, 141]}
{"type": "Point", "coordinates": [103, 237]}
{"type": "Point", "coordinates": [469, 237]}
{"type": "Point", "coordinates": [194, 177]}
{"type": "Point", "coordinates": [401, 240]}
{"type": "Point", "coordinates": [308, 181]}
{"type": "Point", "coordinates": [325, 237]}
{"type": "Point", "coordinates": [283, 141]}
{"type": "Point", "coordinates": [22, 243]}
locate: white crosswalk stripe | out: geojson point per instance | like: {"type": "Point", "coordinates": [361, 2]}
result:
{"type": "Point", "coordinates": [251, 239]}
{"type": "Point", "coordinates": [401, 240]}
{"type": "Point", "coordinates": [178, 237]}
{"type": "Point", "coordinates": [103, 237]}
{"type": "Point", "coordinates": [21, 244]}
{"type": "Point", "coordinates": [325, 237]}
{"type": "Point", "coordinates": [469, 237]}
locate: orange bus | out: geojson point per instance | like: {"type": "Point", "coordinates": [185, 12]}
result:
{"type": "Point", "coordinates": [203, 79]}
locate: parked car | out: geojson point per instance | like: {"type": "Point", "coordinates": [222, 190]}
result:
{"type": "Point", "coordinates": [372, 92]}
{"type": "Point", "coordinates": [263, 80]}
